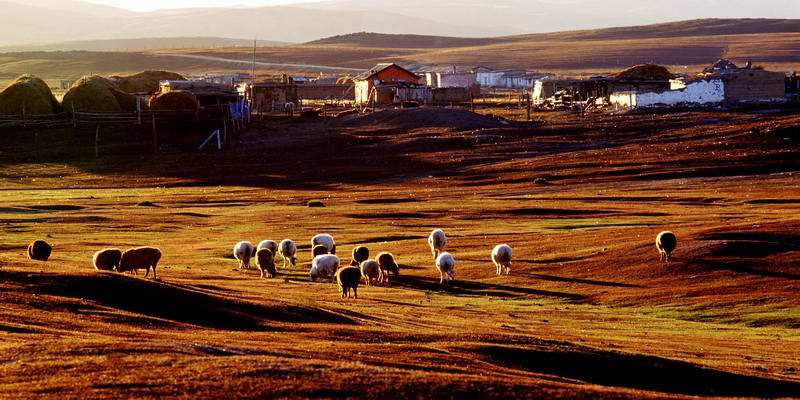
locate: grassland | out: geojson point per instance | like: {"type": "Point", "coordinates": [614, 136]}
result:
{"type": "Point", "coordinates": [588, 310]}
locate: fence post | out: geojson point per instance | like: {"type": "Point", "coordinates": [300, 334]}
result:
{"type": "Point", "coordinates": [74, 117]}
{"type": "Point", "coordinates": [155, 137]}
{"type": "Point", "coordinates": [529, 106]}
{"type": "Point", "coordinates": [138, 110]}
{"type": "Point", "coordinates": [24, 117]}
{"type": "Point", "coordinates": [97, 142]}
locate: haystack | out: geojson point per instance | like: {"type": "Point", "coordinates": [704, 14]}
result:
{"type": "Point", "coordinates": [146, 81]}
{"type": "Point", "coordinates": [174, 100]}
{"type": "Point", "coordinates": [645, 72]}
{"type": "Point", "coordinates": [28, 95]}
{"type": "Point", "coordinates": [97, 94]}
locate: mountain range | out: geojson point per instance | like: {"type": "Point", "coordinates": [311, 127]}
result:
{"type": "Point", "coordinates": [71, 23]}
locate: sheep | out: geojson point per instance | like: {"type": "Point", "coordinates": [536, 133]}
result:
{"type": "Point", "coordinates": [347, 278]}
{"type": "Point", "coordinates": [266, 263]}
{"type": "Point", "coordinates": [446, 264]}
{"type": "Point", "coordinates": [370, 269]}
{"type": "Point", "coordinates": [387, 264]}
{"type": "Point", "coordinates": [244, 251]}
{"type": "Point", "coordinates": [319, 250]}
{"type": "Point", "coordinates": [140, 258]}
{"type": "Point", "coordinates": [107, 259]}
{"type": "Point", "coordinates": [39, 250]}
{"type": "Point", "coordinates": [325, 240]}
{"type": "Point", "coordinates": [324, 266]}
{"type": "Point", "coordinates": [288, 250]}
{"type": "Point", "coordinates": [666, 243]}
{"type": "Point", "coordinates": [437, 242]}
{"type": "Point", "coordinates": [268, 244]}
{"type": "Point", "coordinates": [501, 256]}
{"type": "Point", "coordinates": [360, 254]}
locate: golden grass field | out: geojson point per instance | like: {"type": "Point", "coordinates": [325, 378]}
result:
{"type": "Point", "coordinates": [588, 310]}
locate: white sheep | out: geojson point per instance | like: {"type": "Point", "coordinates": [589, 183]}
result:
{"type": "Point", "coordinates": [288, 250]}
{"type": "Point", "coordinates": [437, 242]}
{"type": "Point", "coordinates": [326, 240]}
{"type": "Point", "coordinates": [324, 266]}
{"type": "Point", "coordinates": [446, 264]}
{"type": "Point", "coordinates": [244, 251]}
{"type": "Point", "coordinates": [268, 244]}
{"type": "Point", "coordinates": [501, 256]}
{"type": "Point", "coordinates": [371, 270]}
{"type": "Point", "coordinates": [666, 242]}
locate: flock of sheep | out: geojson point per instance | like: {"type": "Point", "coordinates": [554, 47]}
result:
{"type": "Point", "coordinates": [325, 264]}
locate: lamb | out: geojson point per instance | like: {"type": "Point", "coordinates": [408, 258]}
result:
{"type": "Point", "coordinates": [266, 263]}
{"type": "Point", "coordinates": [347, 278]}
{"type": "Point", "coordinates": [387, 264]}
{"type": "Point", "coordinates": [325, 240]}
{"type": "Point", "coordinates": [107, 259]}
{"type": "Point", "coordinates": [501, 256]}
{"type": "Point", "coordinates": [446, 264]}
{"type": "Point", "coordinates": [268, 244]}
{"type": "Point", "coordinates": [140, 258]}
{"type": "Point", "coordinates": [437, 242]}
{"type": "Point", "coordinates": [666, 242]}
{"type": "Point", "coordinates": [360, 254]}
{"type": "Point", "coordinates": [39, 250]}
{"type": "Point", "coordinates": [370, 269]}
{"type": "Point", "coordinates": [288, 250]}
{"type": "Point", "coordinates": [324, 266]}
{"type": "Point", "coordinates": [244, 251]}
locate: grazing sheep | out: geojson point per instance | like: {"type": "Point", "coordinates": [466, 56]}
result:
{"type": "Point", "coordinates": [370, 269]}
{"type": "Point", "coordinates": [387, 263]}
{"type": "Point", "coordinates": [244, 251]}
{"type": "Point", "coordinates": [446, 264]}
{"type": "Point", "coordinates": [325, 240]}
{"type": "Point", "coordinates": [666, 242]}
{"type": "Point", "coordinates": [266, 263]}
{"type": "Point", "coordinates": [437, 242]}
{"type": "Point", "coordinates": [319, 250]}
{"type": "Point", "coordinates": [324, 266]}
{"type": "Point", "coordinates": [288, 250]}
{"type": "Point", "coordinates": [107, 259]}
{"type": "Point", "coordinates": [268, 244]}
{"type": "Point", "coordinates": [347, 278]}
{"type": "Point", "coordinates": [360, 254]}
{"type": "Point", "coordinates": [140, 258]}
{"type": "Point", "coordinates": [501, 256]}
{"type": "Point", "coordinates": [39, 250]}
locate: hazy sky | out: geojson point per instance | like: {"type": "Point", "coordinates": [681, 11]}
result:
{"type": "Point", "coordinates": [149, 5]}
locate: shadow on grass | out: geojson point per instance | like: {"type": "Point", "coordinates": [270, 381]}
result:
{"type": "Point", "coordinates": [636, 371]}
{"type": "Point", "coordinates": [554, 278]}
{"type": "Point", "coordinates": [471, 288]}
{"type": "Point", "coordinates": [172, 302]}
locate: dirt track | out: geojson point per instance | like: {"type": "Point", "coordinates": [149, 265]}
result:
{"type": "Point", "coordinates": [588, 310]}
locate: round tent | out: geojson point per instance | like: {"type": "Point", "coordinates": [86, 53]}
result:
{"type": "Point", "coordinates": [97, 94]}
{"type": "Point", "coordinates": [28, 95]}
{"type": "Point", "coordinates": [174, 100]}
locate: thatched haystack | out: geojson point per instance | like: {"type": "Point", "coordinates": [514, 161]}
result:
{"type": "Point", "coordinates": [174, 100]}
{"type": "Point", "coordinates": [645, 72]}
{"type": "Point", "coordinates": [28, 95]}
{"type": "Point", "coordinates": [97, 94]}
{"type": "Point", "coordinates": [146, 81]}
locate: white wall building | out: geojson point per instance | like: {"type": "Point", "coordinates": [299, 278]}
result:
{"type": "Point", "coordinates": [702, 92]}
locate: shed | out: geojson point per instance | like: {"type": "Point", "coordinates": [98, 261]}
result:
{"type": "Point", "coordinates": [208, 94]}
{"type": "Point", "coordinates": [381, 74]}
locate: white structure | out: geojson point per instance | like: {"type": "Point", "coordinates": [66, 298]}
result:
{"type": "Point", "coordinates": [702, 92]}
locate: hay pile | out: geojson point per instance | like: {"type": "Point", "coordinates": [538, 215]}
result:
{"type": "Point", "coordinates": [146, 81]}
{"type": "Point", "coordinates": [174, 100]}
{"type": "Point", "coordinates": [29, 94]}
{"type": "Point", "coordinates": [97, 94]}
{"type": "Point", "coordinates": [645, 72]}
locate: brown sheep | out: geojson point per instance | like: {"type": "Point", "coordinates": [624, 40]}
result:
{"type": "Point", "coordinates": [387, 264]}
{"type": "Point", "coordinates": [39, 250]}
{"type": "Point", "coordinates": [140, 258]}
{"type": "Point", "coordinates": [666, 242]}
{"type": "Point", "coordinates": [360, 254]}
{"type": "Point", "coordinates": [371, 271]}
{"type": "Point", "coordinates": [266, 263]}
{"type": "Point", "coordinates": [347, 278]}
{"type": "Point", "coordinates": [318, 250]}
{"type": "Point", "coordinates": [107, 259]}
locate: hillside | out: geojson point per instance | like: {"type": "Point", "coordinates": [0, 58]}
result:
{"type": "Point", "coordinates": [140, 44]}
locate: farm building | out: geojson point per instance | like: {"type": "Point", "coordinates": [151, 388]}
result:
{"type": "Point", "coordinates": [640, 78]}
{"type": "Point", "coordinates": [381, 75]}
{"type": "Point", "coordinates": [273, 95]}
{"type": "Point", "coordinates": [487, 77]}
{"type": "Point", "coordinates": [317, 91]}
{"type": "Point", "coordinates": [399, 92]}
{"type": "Point", "coordinates": [446, 95]}
{"type": "Point", "coordinates": [208, 94]}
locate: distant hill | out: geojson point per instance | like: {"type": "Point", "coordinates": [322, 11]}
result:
{"type": "Point", "coordinates": [126, 45]}
{"type": "Point", "coordinates": [382, 40]}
